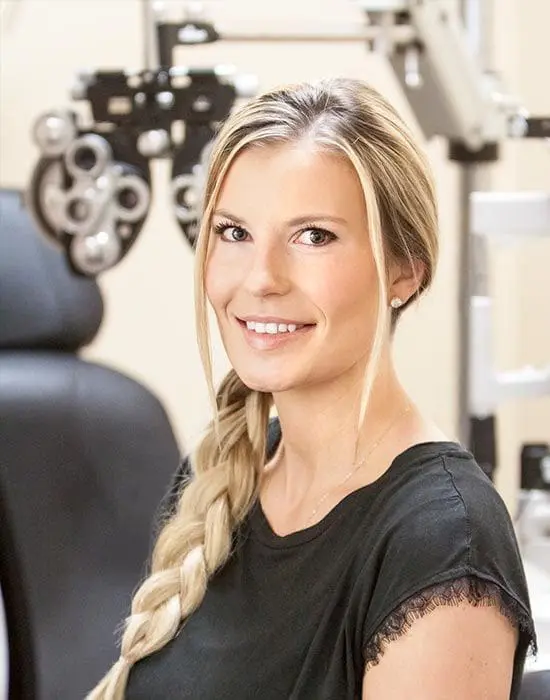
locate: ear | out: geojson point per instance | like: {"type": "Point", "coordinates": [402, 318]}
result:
{"type": "Point", "coordinates": [405, 278]}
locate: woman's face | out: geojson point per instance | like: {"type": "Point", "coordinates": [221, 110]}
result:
{"type": "Point", "coordinates": [291, 275]}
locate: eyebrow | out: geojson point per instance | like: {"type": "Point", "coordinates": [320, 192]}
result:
{"type": "Point", "coordinates": [297, 221]}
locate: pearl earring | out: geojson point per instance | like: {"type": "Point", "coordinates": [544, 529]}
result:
{"type": "Point", "coordinates": [396, 302]}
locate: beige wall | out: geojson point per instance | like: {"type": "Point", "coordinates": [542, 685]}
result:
{"type": "Point", "coordinates": [148, 330]}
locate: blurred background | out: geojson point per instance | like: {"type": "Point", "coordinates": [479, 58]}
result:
{"type": "Point", "coordinates": [147, 332]}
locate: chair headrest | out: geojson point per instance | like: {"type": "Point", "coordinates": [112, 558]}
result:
{"type": "Point", "coordinates": [43, 304]}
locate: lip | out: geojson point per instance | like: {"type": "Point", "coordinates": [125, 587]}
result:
{"type": "Point", "coordinates": [272, 341]}
{"type": "Point", "coordinates": [272, 319]}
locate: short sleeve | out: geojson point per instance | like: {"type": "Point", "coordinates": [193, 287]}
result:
{"type": "Point", "coordinates": [453, 542]}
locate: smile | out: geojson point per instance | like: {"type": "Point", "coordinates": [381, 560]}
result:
{"type": "Point", "coordinates": [269, 335]}
{"type": "Point", "coordinates": [273, 328]}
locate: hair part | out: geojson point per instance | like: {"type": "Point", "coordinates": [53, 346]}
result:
{"type": "Point", "coordinates": [351, 119]}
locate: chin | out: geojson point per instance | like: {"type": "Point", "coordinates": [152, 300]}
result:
{"type": "Point", "coordinates": [265, 382]}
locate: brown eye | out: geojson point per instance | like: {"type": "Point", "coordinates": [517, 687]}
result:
{"type": "Point", "coordinates": [230, 233]}
{"type": "Point", "coordinates": [316, 237]}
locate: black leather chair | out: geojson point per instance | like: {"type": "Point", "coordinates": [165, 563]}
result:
{"type": "Point", "coordinates": [86, 455]}
{"type": "Point", "coordinates": [535, 686]}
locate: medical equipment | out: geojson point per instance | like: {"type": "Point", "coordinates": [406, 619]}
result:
{"type": "Point", "coordinates": [91, 189]}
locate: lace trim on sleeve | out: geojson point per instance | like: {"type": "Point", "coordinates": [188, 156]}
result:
{"type": "Point", "coordinates": [469, 589]}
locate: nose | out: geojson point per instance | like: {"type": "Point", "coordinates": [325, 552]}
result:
{"type": "Point", "coordinates": [268, 271]}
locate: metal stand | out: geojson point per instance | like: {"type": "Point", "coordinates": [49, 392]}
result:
{"type": "Point", "coordinates": [509, 218]}
{"type": "Point", "coordinates": [454, 94]}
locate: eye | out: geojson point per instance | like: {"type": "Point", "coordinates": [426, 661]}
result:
{"type": "Point", "coordinates": [316, 237]}
{"type": "Point", "coordinates": [229, 232]}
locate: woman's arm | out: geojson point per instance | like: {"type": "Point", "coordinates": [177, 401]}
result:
{"type": "Point", "coordinates": [452, 653]}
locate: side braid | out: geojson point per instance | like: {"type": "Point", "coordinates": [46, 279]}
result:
{"type": "Point", "coordinates": [197, 540]}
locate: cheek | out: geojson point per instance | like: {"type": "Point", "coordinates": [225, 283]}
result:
{"type": "Point", "coordinates": [349, 297]}
{"type": "Point", "coordinates": [210, 287]}
{"type": "Point", "coordinates": [217, 280]}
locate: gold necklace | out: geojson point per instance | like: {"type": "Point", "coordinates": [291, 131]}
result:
{"type": "Point", "coordinates": [356, 466]}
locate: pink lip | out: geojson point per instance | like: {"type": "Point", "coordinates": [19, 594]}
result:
{"type": "Point", "coordinates": [272, 341]}
{"type": "Point", "coordinates": [271, 319]}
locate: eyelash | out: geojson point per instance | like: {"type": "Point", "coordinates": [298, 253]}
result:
{"type": "Point", "coordinates": [221, 227]}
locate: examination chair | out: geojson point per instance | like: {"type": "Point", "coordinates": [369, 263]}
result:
{"type": "Point", "coordinates": [535, 686]}
{"type": "Point", "coordinates": [86, 456]}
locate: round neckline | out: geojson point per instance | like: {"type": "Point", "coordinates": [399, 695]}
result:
{"type": "Point", "coordinates": [261, 527]}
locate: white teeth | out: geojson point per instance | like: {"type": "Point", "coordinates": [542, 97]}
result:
{"type": "Point", "coordinates": [271, 328]}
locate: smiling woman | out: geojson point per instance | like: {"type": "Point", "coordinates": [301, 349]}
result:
{"type": "Point", "coordinates": [347, 548]}
{"type": "Point", "coordinates": [275, 260]}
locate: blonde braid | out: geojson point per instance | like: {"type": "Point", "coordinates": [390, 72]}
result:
{"type": "Point", "coordinates": [197, 540]}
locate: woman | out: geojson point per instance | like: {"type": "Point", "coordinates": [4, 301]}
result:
{"type": "Point", "coordinates": [348, 548]}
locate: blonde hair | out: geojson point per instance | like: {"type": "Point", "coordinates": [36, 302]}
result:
{"type": "Point", "coordinates": [349, 118]}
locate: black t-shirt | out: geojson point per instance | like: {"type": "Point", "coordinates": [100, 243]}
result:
{"type": "Point", "coordinates": [296, 617]}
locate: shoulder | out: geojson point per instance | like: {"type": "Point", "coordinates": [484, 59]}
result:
{"type": "Point", "coordinates": [487, 521]}
{"type": "Point", "coordinates": [443, 515]}
{"type": "Point", "coordinates": [447, 538]}
{"type": "Point", "coordinates": [441, 484]}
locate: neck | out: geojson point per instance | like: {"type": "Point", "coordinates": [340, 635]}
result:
{"type": "Point", "coordinates": [321, 438]}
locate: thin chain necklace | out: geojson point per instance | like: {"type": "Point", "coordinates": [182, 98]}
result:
{"type": "Point", "coordinates": [356, 466]}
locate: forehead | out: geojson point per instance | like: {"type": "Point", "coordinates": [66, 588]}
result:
{"type": "Point", "coordinates": [291, 178]}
